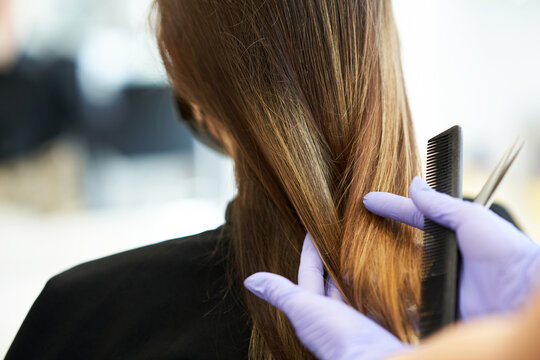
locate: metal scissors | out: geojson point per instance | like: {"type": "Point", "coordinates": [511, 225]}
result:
{"type": "Point", "coordinates": [485, 196]}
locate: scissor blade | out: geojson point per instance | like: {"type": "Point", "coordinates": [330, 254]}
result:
{"type": "Point", "coordinates": [485, 196]}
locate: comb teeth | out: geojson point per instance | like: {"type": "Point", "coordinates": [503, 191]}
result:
{"type": "Point", "coordinates": [433, 248]}
{"type": "Point", "coordinates": [440, 255]}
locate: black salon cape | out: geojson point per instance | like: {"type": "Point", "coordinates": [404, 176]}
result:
{"type": "Point", "coordinates": [163, 301]}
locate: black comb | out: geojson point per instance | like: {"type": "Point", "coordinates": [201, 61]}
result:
{"type": "Point", "coordinates": [440, 253]}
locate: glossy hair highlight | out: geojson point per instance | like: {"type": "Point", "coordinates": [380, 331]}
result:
{"type": "Point", "coordinates": [312, 95]}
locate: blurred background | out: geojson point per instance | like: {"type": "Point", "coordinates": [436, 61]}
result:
{"type": "Point", "coordinates": [93, 160]}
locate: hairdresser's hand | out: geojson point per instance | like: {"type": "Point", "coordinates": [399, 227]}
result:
{"type": "Point", "coordinates": [323, 322]}
{"type": "Point", "coordinates": [501, 265]}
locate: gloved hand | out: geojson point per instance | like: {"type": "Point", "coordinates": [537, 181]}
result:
{"type": "Point", "coordinates": [327, 326]}
{"type": "Point", "coordinates": [501, 265]}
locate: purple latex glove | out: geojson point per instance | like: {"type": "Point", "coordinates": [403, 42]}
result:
{"type": "Point", "coordinates": [501, 265]}
{"type": "Point", "coordinates": [327, 326]}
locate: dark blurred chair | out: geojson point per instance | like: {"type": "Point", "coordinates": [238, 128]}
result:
{"type": "Point", "coordinates": [38, 101]}
{"type": "Point", "coordinates": [140, 120]}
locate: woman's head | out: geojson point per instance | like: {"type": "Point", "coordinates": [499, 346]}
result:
{"type": "Point", "coordinates": [311, 96]}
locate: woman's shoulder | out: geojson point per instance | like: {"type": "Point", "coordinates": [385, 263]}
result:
{"type": "Point", "coordinates": [165, 300]}
{"type": "Point", "coordinates": [175, 256]}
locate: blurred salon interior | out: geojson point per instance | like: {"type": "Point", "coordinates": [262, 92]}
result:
{"type": "Point", "coordinates": [93, 159]}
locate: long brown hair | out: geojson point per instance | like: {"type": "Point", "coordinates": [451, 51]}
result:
{"type": "Point", "coordinates": [312, 95]}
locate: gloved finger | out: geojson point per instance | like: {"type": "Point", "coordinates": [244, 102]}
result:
{"type": "Point", "coordinates": [332, 290]}
{"type": "Point", "coordinates": [311, 270]}
{"type": "Point", "coordinates": [273, 288]}
{"type": "Point", "coordinates": [394, 207]}
{"type": "Point", "coordinates": [441, 208]}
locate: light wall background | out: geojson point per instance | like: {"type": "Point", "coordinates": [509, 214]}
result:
{"type": "Point", "coordinates": [469, 62]}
